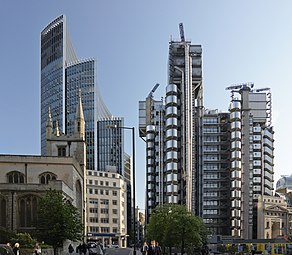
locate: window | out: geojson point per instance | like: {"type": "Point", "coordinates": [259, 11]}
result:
{"type": "Point", "coordinates": [115, 220]}
{"type": "Point", "coordinates": [3, 205]}
{"type": "Point", "coordinates": [46, 177]}
{"type": "Point", "coordinates": [15, 177]}
{"type": "Point", "coordinates": [115, 193]}
{"type": "Point", "coordinates": [104, 201]}
{"type": "Point", "coordinates": [104, 220]}
{"type": "Point", "coordinates": [115, 211]}
{"type": "Point", "coordinates": [115, 202]}
{"type": "Point", "coordinates": [28, 206]}
{"type": "Point", "coordinates": [114, 184]}
{"type": "Point", "coordinates": [61, 151]}
{"type": "Point", "coordinates": [104, 210]}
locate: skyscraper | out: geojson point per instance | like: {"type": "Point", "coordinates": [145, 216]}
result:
{"type": "Point", "coordinates": [168, 127]}
{"type": "Point", "coordinates": [62, 77]}
{"type": "Point", "coordinates": [216, 164]}
{"type": "Point", "coordinates": [252, 155]}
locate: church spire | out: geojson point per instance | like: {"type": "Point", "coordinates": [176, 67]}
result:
{"type": "Point", "coordinates": [49, 125]}
{"type": "Point", "coordinates": [79, 129]}
{"type": "Point", "coordinates": [57, 129]}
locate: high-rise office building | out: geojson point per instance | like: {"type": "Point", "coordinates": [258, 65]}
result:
{"type": "Point", "coordinates": [63, 77]}
{"type": "Point", "coordinates": [110, 145]}
{"type": "Point", "coordinates": [217, 164]}
{"type": "Point", "coordinates": [168, 127]}
{"type": "Point", "coordinates": [213, 175]}
{"type": "Point", "coordinates": [252, 153]}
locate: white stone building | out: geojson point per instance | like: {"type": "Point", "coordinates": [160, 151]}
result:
{"type": "Point", "coordinates": [106, 208]}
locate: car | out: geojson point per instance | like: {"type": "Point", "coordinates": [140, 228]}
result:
{"type": "Point", "coordinates": [6, 250]}
{"type": "Point", "coordinates": [94, 249]}
{"type": "Point", "coordinates": [115, 246]}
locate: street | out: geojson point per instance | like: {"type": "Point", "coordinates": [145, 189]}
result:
{"type": "Point", "coordinates": [121, 251]}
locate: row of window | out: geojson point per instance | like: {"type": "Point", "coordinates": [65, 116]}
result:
{"type": "Point", "coordinates": [101, 174]}
{"type": "Point", "coordinates": [104, 230]}
{"type": "Point", "coordinates": [101, 183]}
{"type": "Point", "coordinates": [18, 177]}
{"type": "Point", "coordinates": [103, 220]}
{"type": "Point", "coordinates": [103, 210]}
{"type": "Point", "coordinates": [103, 192]}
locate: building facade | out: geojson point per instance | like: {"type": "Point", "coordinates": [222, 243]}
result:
{"type": "Point", "coordinates": [252, 156]}
{"type": "Point", "coordinates": [62, 77]}
{"type": "Point", "coordinates": [107, 208]}
{"type": "Point", "coordinates": [213, 175]}
{"type": "Point", "coordinates": [167, 127]}
{"type": "Point", "coordinates": [25, 179]}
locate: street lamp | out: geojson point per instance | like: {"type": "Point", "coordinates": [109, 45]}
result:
{"type": "Point", "coordinates": [134, 186]}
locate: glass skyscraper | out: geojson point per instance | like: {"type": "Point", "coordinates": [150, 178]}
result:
{"type": "Point", "coordinates": [63, 77]}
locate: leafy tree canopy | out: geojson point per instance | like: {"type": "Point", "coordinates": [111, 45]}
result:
{"type": "Point", "coordinates": [58, 220]}
{"type": "Point", "coordinates": [173, 226]}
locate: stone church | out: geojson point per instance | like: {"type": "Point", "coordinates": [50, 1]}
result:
{"type": "Point", "coordinates": [25, 179]}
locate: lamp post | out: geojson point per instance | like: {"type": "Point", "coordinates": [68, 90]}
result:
{"type": "Point", "coordinates": [134, 180]}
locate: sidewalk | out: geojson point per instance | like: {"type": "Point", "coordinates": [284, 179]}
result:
{"type": "Point", "coordinates": [137, 252]}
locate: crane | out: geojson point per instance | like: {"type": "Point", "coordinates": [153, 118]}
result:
{"type": "Point", "coordinates": [153, 90]}
{"type": "Point", "coordinates": [181, 30]}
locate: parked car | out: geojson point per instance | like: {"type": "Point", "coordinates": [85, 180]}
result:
{"type": "Point", "coordinates": [94, 249]}
{"type": "Point", "coordinates": [6, 250]}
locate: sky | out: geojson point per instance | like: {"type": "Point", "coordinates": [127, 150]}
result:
{"type": "Point", "coordinates": [242, 41]}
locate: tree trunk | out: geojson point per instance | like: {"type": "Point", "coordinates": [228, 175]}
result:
{"type": "Point", "coordinates": [169, 250]}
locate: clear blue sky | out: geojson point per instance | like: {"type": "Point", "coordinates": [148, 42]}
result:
{"type": "Point", "coordinates": [242, 41]}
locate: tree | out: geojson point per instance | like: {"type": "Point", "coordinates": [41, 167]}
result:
{"type": "Point", "coordinates": [58, 220]}
{"type": "Point", "coordinates": [173, 226]}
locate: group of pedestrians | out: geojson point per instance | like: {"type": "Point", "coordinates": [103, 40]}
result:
{"type": "Point", "coordinates": [81, 248]}
{"type": "Point", "coordinates": [151, 249]}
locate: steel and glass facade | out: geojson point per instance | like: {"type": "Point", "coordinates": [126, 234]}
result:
{"type": "Point", "coordinates": [110, 145]}
{"type": "Point", "coordinates": [168, 128]}
{"type": "Point", "coordinates": [213, 177]}
{"type": "Point", "coordinates": [252, 156]}
{"type": "Point", "coordinates": [62, 77]}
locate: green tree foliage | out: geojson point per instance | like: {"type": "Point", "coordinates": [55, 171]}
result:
{"type": "Point", "coordinates": [58, 220]}
{"type": "Point", "coordinates": [6, 235]}
{"type": "Point", "coordinates": [174, 226]}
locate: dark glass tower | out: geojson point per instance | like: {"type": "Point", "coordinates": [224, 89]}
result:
{"type": "Point", "coordinates": [62, 77]}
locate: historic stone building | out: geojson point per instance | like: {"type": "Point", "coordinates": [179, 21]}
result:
{"type": "Point", "coordinates": [274, 217]}
{"type": "Point", "coordinates": [24, 179]}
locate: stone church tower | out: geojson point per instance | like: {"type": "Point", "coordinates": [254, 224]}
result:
{"type": "Point", "coordinates": [24, 179]}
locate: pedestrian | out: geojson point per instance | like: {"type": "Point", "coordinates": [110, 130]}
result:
{"type": "Point", "coordinates": [70, 248]}
{"type": "Point", "coordinates": [84, 248]}
{"type": "Point", "coordinates": [79, 249]}
{"type": "Point", "coordinates": [151, 248]}
{"type": "Point", "coordinates": [16, 249]}
{"type": "Point", "coordinates": [37, 249]}
{"type": "Point", "coordinates": [157, 248]}
{"type": "Point", "coordinates": [144, 249]}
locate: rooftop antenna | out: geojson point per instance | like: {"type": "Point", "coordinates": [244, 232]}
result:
{"type": "Point", "coordinates": [181, 30]}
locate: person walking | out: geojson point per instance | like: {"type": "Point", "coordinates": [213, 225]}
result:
{"type": "Point", "coordinates": [70, 248]}
{"type": "Point", "coordinates": [79, 249]}
{"type": "Point", "coordinates": [16, 249]}
{"type": "Point", "coordinates": [158, 249]}
{"type": "Point", "coordinates": [37, 249]}
{"type": "Point", "coordinates": [145, 249]}
{"type": "Point", "coordinates": [84, 248]}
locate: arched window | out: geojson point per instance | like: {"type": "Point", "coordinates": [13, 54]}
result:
{"type": "Point", "coordinates": [46, 177]}
{"type": "Point", "coordinates": [28, 206]}
{"type": "Point", "coordinates": [43, 180]}
{"type": "Point", "coordinates": [15, 177]}
{"type": "Point", "coordinates": [3, 212]}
